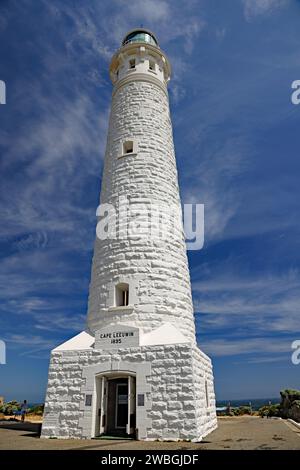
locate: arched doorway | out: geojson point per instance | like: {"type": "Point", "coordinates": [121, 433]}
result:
{"type": "Point", "coordinates": [115, 404]}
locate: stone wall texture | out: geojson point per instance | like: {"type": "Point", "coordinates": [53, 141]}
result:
{"type": "Point", "coordinates": [158, 268]}
{"type": "Point", "coordinates": [176, 380]}
{"type": "Point", "coordinates": [175, 405]}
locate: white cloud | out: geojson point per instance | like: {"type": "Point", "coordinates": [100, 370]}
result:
{"type": "Point", "coordinates": [35, 240]}
{"type": "Point", "coordinates": [253, 8]}
{"type": "Point", "coordinates": [211, 185]}
{"type": "Point", "coordinates": [60, 148]}
{"type": "Point", "coordinates": [150, 11]}
{"type": "Point", "coordinates": [67, 141]}
{"type": "Point", "coordinates": [268, 359]}
{"type": "Point", "coordinates": [49, 161]}
{"type": "Point", "coordinates": [217, 173]}
{"type": "Point", "coordinates": [58, 321]}
{"type": "Point", "coordinates": [246, 304]}
{"type": "Point", "coordinates": [230, 347]}
{"type": "Point", "coordinates": [68, 137]}
{"type": "Point", "coordinates": [36, 342]}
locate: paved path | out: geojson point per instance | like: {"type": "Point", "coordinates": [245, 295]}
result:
{"type": "Point", "coordinates": [232, 433]}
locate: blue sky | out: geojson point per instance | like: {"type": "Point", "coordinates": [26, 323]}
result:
{"type": "Point", "coordinates": [237, 145]}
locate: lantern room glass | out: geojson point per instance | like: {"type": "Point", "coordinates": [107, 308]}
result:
{"type": "Point", "coordinates": [140, 36]}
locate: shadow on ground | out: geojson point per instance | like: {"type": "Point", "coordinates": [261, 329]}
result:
{"type": "Point", "coordinates": [33, 428]}
{"type": "Point", "coordinates": [242, 433]}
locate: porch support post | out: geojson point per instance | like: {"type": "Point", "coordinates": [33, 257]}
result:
{"type": "Point", "coordinates": [102, 405]}
{"type": "Point", "coordinates": [129, 404]}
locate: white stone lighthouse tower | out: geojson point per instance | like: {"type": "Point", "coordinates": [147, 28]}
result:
{"type": "Point", "coordinates": [136, 369]}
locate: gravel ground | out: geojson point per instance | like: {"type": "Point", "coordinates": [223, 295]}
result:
{"type": "Point", "coordinates": [233, 433]}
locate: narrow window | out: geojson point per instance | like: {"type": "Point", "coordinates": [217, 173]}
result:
{"type": "Point", "coordinates": [122, 295]}
{"type": "Point", "coordinates": [132, 64]}
{"type": "Point", "coordinates": [125, 297]}
{"type": "Point", "coordinates": [152, 65]}
{"type": "Point", "coordinates": [206, 394]}
{"type": "Point", "coordinates": [128, 147]}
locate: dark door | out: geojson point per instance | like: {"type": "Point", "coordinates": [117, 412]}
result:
{"type": "Point", "coordinates": [121, 406]}
{"type": "Point", "coordinates": [117, 406]}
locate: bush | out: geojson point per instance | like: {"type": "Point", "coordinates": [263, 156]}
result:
{"type": "Point", "coordinates": [245, 410]}
{"type": "Point", "coordinates": [37, 410]}
{"type": "Point", "coordinates": [10, 407]}
{"type": "Point", "coordinates": [290, 394]}
{"type": "Point", "coordinates": [241, 410]}
{"type": "Point", "coordinates": [269, 410]}
{"type": "Point", "coordinates": [289, 406]}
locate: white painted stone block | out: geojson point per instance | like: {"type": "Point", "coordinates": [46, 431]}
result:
{"type": "Point", "coordinates": [173, 377]}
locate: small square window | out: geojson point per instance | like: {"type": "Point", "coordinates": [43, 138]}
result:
{"type": "Point", "coordinates": [122, 295]}
{"type": "Point", "coordinates": [152, 65]}
{"type": "Point", "coordinates": [132, 64]}
{"type": "Point", "coordinates": [128, 147]}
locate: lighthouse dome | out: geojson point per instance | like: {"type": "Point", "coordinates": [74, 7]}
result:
{"type": "Point", "coordinates": [140, 35]}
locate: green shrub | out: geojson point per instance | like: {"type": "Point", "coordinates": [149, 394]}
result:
{"type": "Point", "coordinates": [290, 394]}
{"type": "Point", "coordinates": [10, 407]}
{"type": "Point", "coordinates": [38, 410]}
{"type": "Point", "coordinates": [269, 410]}
{"type": "Point", "coordinates": [245, 410]}
{"type": "Point", "coordinates": [241, 410]}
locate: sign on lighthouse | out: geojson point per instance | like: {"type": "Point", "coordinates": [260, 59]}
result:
{"type": "Point", "coordinates": [136, 369]}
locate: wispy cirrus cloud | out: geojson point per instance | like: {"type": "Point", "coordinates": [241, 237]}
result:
{"type": "Point", "coordinates": [253, 8]}
{"type": "Point", "coordinates": [236, 143]}
{"type": "Point", "coordinates": [213, 177]}
{"type": "Point", "coordinates": [53, 143]}
{"type": "Point", "coordinates": [53, 153]}
{"type": "Point", "coordinates": [240, 347]}
{"type": "Point", "coordinates": [31, 346]}
{"type": "Point", "coordinates": [254, 315]}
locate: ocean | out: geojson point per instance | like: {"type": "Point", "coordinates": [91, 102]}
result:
{"type": "Point", "coordinates": [256, 403]}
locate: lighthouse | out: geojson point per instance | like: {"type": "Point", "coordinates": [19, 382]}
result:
{"type": "Point", "coordinates": [136, 370]}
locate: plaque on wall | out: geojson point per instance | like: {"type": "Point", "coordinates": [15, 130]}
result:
{"type": "Point", "coordinates": [141, 399]}
{"type": "Point", "coordinates": [117, 336]}
{"type": "Point", "coordinates": [88, 400]}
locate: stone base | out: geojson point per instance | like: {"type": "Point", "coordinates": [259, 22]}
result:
{"type": "Point", "coordinates": [176, 382]}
